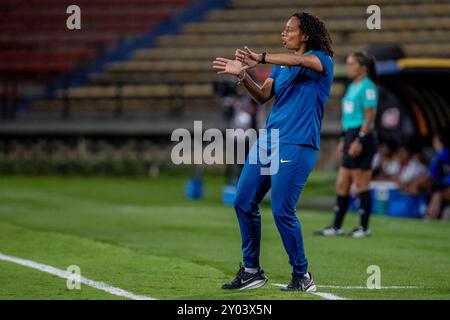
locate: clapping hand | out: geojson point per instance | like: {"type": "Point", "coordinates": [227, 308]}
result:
{"type": "Point", "coordinates": [227, 66]}
{"type": "Point", "coordinates": [248, 57]}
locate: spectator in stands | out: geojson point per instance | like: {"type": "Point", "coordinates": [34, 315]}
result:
{"type": "Point", "coordinates": [385, 165]}
{"type": "Point", "coordinates": [439, 173]}
{"type": "Point", "coordinates": [411, 170]}
{"type": "Point", "coordinates": [358, 143]}
{"type": "Point", "coordinates": [243, 112]}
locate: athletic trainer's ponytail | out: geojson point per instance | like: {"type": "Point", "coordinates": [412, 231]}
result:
{"type": "Point", "coordinates": [369, 62]}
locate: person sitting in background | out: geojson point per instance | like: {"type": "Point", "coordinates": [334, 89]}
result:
{"type": "Point", "coordinates": [385, 165]}
{"type": "Point", "coordinates": [411, 170]}
{"type": "Point", "coordinates": [439, 173]}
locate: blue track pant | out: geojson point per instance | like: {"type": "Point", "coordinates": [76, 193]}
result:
{"type": "Point", "coordinates": [295, 164]}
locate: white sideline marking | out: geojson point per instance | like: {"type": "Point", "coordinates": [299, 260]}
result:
{"type": "Point", "coordinates": [328, 296]}
{"type": "Point", "coordinates": [64, 274]}
{"type": "Point", "coordinates": [362, 287]}
{"type": "Point", "coordinates": [325, 295]}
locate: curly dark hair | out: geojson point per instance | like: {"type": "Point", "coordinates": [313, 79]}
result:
{"type": "Point", "coordinates": [317, 32]}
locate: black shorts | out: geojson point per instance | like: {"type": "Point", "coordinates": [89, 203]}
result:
{"type": "Point", "coordinates": [364, 160]}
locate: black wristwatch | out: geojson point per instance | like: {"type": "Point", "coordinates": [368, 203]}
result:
{"type": "Point", "coordinates": [263, 58]}
{"type": "Point", "coordinates": [361, 135]}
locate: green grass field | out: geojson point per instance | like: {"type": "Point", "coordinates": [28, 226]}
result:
{"type": "Point", "coordinates": [141, 235]}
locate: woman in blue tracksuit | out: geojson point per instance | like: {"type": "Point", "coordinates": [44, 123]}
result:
{"type": "Point", "coordinates": [300, 82]}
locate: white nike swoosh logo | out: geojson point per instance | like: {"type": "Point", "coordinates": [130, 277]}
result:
{"type": "Point", "coordinates": [244, 282]}
{"type": "Point", "coordinates": [285, 161]}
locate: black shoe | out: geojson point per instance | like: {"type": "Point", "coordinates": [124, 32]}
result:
{"type": "Point", "coordinates": [246, 280]}
{"type": "Point", "coordinates": [301, 283]}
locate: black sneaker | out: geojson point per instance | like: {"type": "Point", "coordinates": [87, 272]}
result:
{"type": "Point", "coordinates": [246, 280]}
{"type": "Point", "coordinates": [301, 283]}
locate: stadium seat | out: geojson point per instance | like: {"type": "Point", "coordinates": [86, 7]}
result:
{"type": "Point", "coordinates": [185, 59]}
{"type": "Point", "coordinates": [52, 51]}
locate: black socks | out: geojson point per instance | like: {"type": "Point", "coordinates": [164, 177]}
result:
{"type": "Point", "coordinates": [342, 203]}
{"type": "Point", "coordinates": [365, 199]}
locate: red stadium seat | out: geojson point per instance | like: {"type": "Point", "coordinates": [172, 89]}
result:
{"type": "Point", "coordinates": [17, 55]}
{"type": "Point", "coordinates": [35, 44]}
{"type": "Point", "coordinates": [49, 67]}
